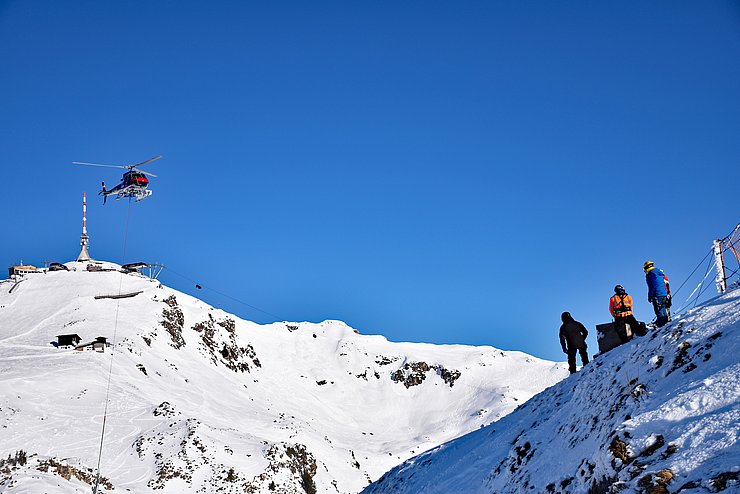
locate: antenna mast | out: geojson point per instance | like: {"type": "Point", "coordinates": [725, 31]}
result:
{"type": "Point", "coordinates": [84, 239]}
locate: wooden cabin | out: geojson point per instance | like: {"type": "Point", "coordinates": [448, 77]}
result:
{"type": "Point", "coordinates": [21, 270]}
{"type": "Point", "coordinates": [68, 340]}
{"type": "Point", "coordinates": [98, 345]}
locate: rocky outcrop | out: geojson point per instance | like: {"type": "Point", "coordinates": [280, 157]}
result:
{"type": "Point", "coordinates": [165, 409]}
{"type": "Point", "coordinates": [414, 373]}
{"type": "Point", "coordinates": [290, 468]}
{"type": "Point", "coordinates": [173, 322]}
{"type": "Point", "coordinates": [21, 462]}
{"type": "Point", "coordinates": [219, 342]}
{"type": "Point", "coordinates": [294, 460]}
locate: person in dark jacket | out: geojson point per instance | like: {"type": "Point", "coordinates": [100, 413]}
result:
{"type": "Point", "coordinates": [573, 339]}
{"type": "Point", "coordinates": [659, 293]}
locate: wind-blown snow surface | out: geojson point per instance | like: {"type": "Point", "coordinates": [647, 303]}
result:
{"type": "Point", "coordinates": [659, 414]}
{"type": "Point", "coordinates": [201, 401]}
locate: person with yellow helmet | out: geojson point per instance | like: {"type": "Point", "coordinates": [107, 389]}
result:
{"type": "Point", "coordinates": [659, 293]}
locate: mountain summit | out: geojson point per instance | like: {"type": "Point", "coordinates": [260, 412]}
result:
{"type": "Point", "coordinates": [199, 400]}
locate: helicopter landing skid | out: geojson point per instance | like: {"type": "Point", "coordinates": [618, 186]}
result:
{"type": "Point", "coordinates": [140, 196]}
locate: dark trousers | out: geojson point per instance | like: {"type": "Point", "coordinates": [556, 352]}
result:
{"type": "Point", "coordinates": [661, 311]}
{"type": "Point", "coordinates": [572, 358]}
{"type": "Point", "coordinates": [620, 326]}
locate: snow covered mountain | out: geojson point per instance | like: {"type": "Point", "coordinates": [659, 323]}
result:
{"type": "Point", "coordinates": [202, 401]}
{"type": "Point", "coordinates": [660, 414]}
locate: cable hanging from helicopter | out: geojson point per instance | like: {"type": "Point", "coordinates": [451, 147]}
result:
{"type": "Point", "coordinates": [133, 183]}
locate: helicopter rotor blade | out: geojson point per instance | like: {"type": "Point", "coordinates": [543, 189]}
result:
{"type": "Point", "coordinates": [97, 164]}
{"type": "Point", "coordinates": [146, 173]}
{"type": "Point", "coordinates": [147, 161]}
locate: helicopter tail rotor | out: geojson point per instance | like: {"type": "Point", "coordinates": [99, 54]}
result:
{"type": "Point", "coordinates": [103, 192]}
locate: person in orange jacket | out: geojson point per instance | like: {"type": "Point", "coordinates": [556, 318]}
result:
{"type": "Point", "coordinates": [620, 306]}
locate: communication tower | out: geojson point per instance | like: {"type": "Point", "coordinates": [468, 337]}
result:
{"type": "Point", "coordinates": [84, 239]}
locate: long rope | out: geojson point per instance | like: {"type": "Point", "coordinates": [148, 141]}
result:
{"type": "Point", "coordinates": [284, 319]}
{"type": "Point", "coordinates": [112, 352]}
{"type": "Point", "coordinates": [731, 233]}
{"type": "Point", "coordinates": [698, 287]}
{"type": "Point", "coordinates": [701, 285]}
{"type": "Point", "coordinates": [694, 271]}
{"type": "Point", "coordinates": [702, 292]}
{"type": "Point", "coordinates": [278, 318]}
{"type": "Point", "coordinates": [737, 270]}
{"type": "Point", "coordinates": [727, 237]}
{"type": "Point", "coordinates": [726, 278]}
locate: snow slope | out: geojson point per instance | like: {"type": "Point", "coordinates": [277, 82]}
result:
{"type": "Point", "coordinates": [202, 401]}
{"type": "Point", "coordinates": [659, 414]}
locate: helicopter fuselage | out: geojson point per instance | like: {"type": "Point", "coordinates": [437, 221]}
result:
{"type": "Point", "coordinates": [133, 184]}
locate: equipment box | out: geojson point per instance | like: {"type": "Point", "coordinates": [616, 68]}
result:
{"type": "Point", "coordinates": [607, 336]}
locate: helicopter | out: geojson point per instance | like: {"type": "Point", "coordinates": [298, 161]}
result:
{"type": "Point", "coordinates": [133, 183]}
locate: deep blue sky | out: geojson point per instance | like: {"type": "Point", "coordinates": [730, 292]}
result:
{"type": "Point", "coordinates": [448, 172]}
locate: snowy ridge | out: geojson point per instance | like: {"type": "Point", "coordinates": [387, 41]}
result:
{"type": "Point", "coordinates": [202, 401]}
{"type": "Point", "coordinates": [659, 414]}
